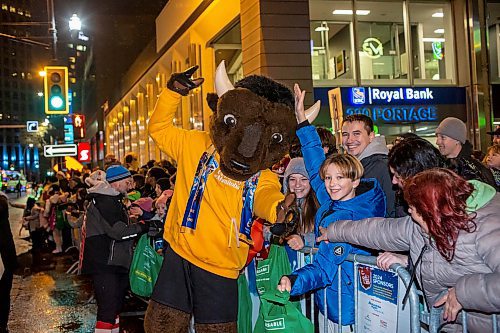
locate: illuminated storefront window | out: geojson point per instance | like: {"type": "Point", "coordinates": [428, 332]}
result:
{"type": "Point", "coordinates": [331, 42]}
{"type": "Point", "coordinates": [390, 42]}
{"type": "Point", "coordinates": [381, 41]}
{"type": "Point", "coordinates": [432, 41]}
{"type": "Point", "coordinates": [227, 47]}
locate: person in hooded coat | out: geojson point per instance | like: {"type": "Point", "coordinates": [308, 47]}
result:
{"type": "Point", "coordinates": [342, 195]}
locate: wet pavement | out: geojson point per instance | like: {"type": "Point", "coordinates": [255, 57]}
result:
{"type": "Point", "coordinates": [45, 298]}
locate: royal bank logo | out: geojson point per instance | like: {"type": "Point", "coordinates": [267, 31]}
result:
{"type": "Point", "coordinates": [275, 324]}
{"type": "Point", "coordinates": [358, 95]}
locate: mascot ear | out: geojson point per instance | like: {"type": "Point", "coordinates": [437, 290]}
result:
{"type": "Point", "coordinates": [212, 100]}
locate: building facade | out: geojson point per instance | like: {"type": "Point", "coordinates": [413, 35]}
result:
{"type": "Point", "coordinates": [19, 84]}
{"type": "Point", "coordinates": [406, 63]}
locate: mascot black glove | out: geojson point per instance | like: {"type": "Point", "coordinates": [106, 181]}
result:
{"type": "Point", "coordinates": [154, 227]}
{"type": "Point", "coordinates": [287, 217]}
{"type": "Point", "coordinates": [182, 83]}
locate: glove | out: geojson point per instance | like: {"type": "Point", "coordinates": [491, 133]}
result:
{"type": "Point", "coordinates": [154, 227]}
{"type": "Point", "coordinates": [287, 217]}
{"type": "Point", "coordinates": [182, 83]}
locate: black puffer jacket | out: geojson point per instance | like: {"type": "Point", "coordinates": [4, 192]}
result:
{"type": "Point", "coordinates": [109, 233]}
{"type": "Point", "coordinates": [470, 168]}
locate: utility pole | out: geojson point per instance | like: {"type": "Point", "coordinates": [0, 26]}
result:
{"type": "Point", "coordinates": [52, 28]}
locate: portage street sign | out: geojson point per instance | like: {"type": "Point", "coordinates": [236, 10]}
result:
{"type": "Point", "coordinates": [60, 150]}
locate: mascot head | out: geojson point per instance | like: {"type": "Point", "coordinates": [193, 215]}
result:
{"type": "Point", "coordinates": [252, 125]}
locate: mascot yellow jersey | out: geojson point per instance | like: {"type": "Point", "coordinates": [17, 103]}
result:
{"type": "Point", "coordinates": [214, 245]}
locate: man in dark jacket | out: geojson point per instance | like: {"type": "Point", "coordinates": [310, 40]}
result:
{"type": "Point", "coordinates": [358, 138]}
{"type": "Point", "coordinates": [9, 259]}
{"type": "Point", "coordinates": [107, 250]}
{"type": "Point", "coordinates": [451, 139]}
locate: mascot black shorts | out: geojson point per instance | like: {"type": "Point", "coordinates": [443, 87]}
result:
{"type": "Point", "coordinates": [183, 286]}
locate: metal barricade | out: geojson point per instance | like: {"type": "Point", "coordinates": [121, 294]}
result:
{"type": "Point", "coordinates": [434, 315]}
{"type": "Point", "coordinates": [403, 276]}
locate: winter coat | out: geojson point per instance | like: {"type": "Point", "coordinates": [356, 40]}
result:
{"type": "Point", "coordinates": [7, 247]}
{"type": "Point", "coordinates": [109, 233]}
{"type": "Point", "coordinates": [470, 168]}
{"type": "Point", "coordinates": [475, 269]}
{"type": "Point", "coordinates": [368, 202]}
{"type": "Point", "coordinates": [374, 160]}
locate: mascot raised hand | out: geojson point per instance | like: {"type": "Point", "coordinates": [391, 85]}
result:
{"type": "Point", "coordinates": [223, 181]}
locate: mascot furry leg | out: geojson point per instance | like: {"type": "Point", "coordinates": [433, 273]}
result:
{"type": "Point", "coordinates": [159, 316]}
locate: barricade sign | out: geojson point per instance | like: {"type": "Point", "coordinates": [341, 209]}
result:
{"type": "Point", "coordinates": [377, 300]}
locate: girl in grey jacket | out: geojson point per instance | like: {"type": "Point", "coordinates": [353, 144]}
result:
{"type": "Point", "coordinates": [455, 224]}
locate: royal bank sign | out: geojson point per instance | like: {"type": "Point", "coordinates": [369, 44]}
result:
{"type": "Point", "coordinates": [404, 104]}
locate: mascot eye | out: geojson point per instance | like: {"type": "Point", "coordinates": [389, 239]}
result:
{"type": "Point", "coordinates": [230, 120]}
{"type": "Point", "coordinates": [277, 137]}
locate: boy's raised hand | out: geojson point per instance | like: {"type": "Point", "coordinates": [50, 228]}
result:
{"type": "Point", "coordinates": [300, 114]}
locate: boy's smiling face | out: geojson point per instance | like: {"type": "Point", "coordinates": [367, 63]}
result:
{"type": "Point", "coordinates": [339, 187]}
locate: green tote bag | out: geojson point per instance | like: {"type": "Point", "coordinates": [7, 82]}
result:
{"type": "Point", "coordinates": [270, 270]}
{"type": "Point", "coordinates": [278, 315]}
{"type": "Point", "coordinates": [145, 268]}
{"type": "Point", "coordinates": [244, 306]}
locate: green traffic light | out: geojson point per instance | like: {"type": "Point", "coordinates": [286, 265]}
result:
{"type": "Point", "coordinates": [56, 102]}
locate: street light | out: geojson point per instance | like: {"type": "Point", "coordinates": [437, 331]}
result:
{"type": "Point", "coordinates": [74, 23]}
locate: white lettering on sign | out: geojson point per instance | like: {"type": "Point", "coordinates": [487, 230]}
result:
{"type": "Point", "coordinates": [84, 155]}
{"type": "Point", "coordinates": [400, 94]}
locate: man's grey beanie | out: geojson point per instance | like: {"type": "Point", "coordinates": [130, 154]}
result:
{"type": "Point", "coordinates": [453, 128]}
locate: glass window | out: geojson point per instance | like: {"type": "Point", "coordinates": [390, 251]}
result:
{"type": "Point", "coordinates": [381, 42]}
{"type": "Point", "coordinates": [228, 47]}
{"type": "Point", "coordinates": [432, 41]}
{"type": "Point", "coordinates": [331, 42]}
{"type": "Point", "coordinates": [494, 39]}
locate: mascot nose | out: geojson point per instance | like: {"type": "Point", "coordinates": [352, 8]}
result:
{"type": "Point", "coordinates": [250, 140]}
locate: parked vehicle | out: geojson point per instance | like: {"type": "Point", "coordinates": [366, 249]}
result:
{"type": "Point", "coordinates": [11, 178]}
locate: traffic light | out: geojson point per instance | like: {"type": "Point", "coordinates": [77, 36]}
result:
{"type": "Point", "coordinates": [79, 126]}
{"type": "Point", "coordinates": [56, 90]}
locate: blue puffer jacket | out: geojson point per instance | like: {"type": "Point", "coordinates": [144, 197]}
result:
{"type": "Point", "coordinates": [368, 202]}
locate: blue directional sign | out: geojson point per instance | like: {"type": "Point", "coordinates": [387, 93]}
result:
{"type": "Point", "coordinates": [69, 136]}
{"type": "Point", "coordinates": [32, 126]}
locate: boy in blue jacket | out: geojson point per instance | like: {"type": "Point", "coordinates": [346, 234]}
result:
{"type": "Point", "coordinates": [342, 194]}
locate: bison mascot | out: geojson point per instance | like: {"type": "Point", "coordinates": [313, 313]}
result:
{"type": "Point", "coordinates": [223, 181]}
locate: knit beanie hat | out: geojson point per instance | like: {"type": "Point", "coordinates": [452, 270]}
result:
{"type": "Point", "coordinates": [115, 173]}
{"type": "Point", "coordinates": [295, 166]}
{"type": "Point", "coordinates": [146, 204]}
{"type": "Point", "coordinates": [453, 128]}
